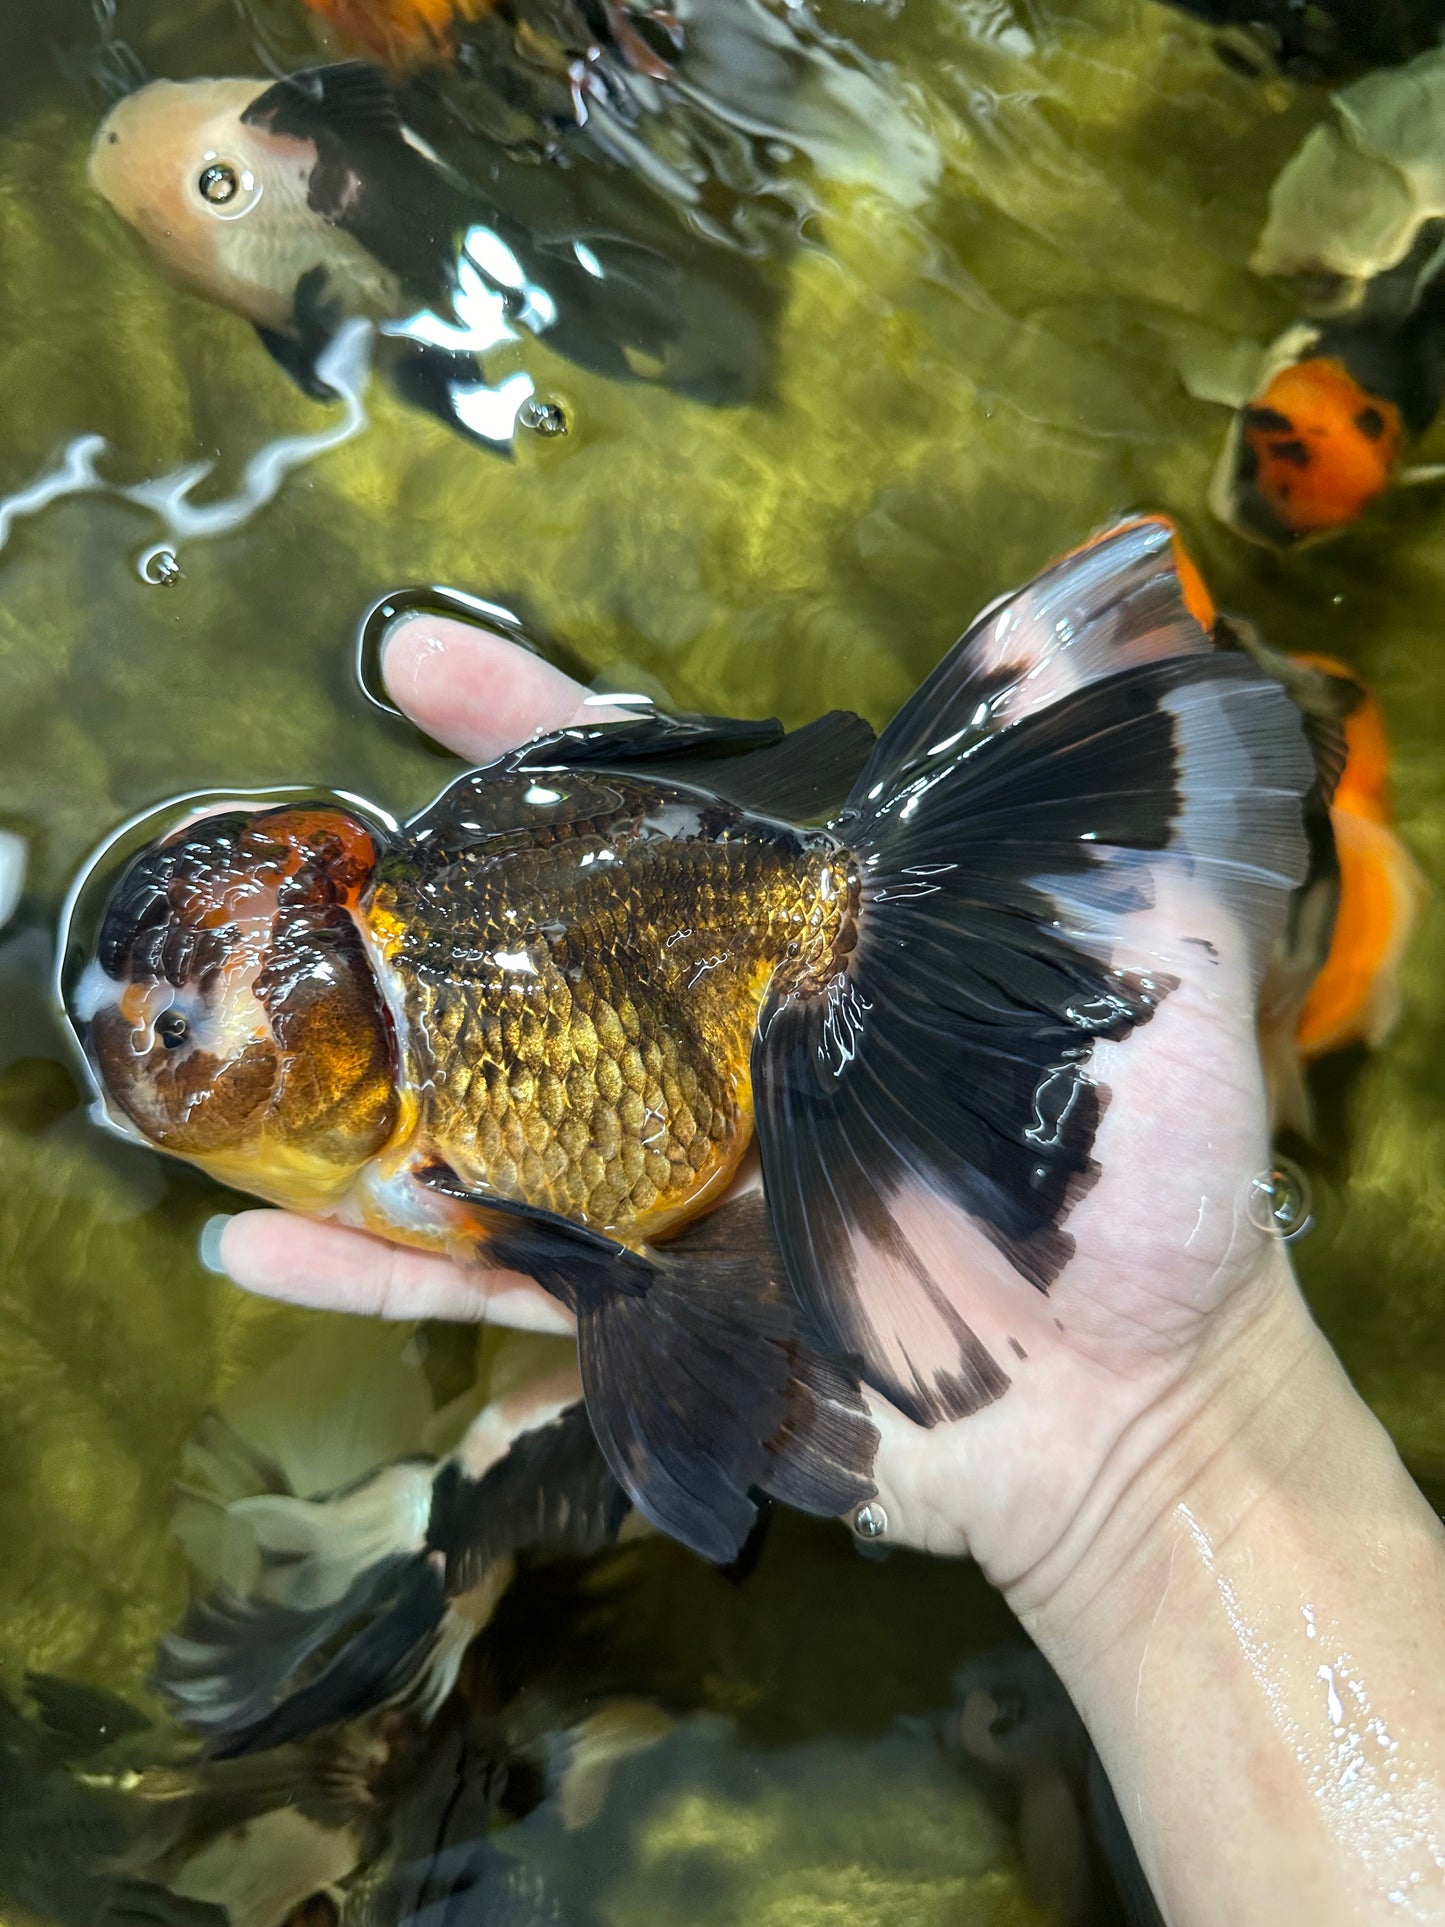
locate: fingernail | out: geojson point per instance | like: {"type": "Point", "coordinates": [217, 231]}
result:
{"type": "Point", "coordinates": [209, 1248]}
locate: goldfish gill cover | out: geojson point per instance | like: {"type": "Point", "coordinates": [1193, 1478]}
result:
{"type": "Point", "coordinates": [961, 390]}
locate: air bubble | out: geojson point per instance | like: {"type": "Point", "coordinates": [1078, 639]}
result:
{"type": "Point", "coordinates": [1279, 1201]}
{"type": "Point", "coordinates": [543, 417]}
{"type": "Point", "coordinates": [160, 568]}
{"type": "Point", "coordinates": [870, 1521]}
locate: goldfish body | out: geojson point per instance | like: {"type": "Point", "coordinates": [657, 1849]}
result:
{"type": "Point", "coordinates": [1355, 999]}
{"type": "Point", "coordinates": [543, 1024]}
{"type": "Point", "coordinates": [400, 33]}
{"type": "Point", "coordinates": [305, 203]}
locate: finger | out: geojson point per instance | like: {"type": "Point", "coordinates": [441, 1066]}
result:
{"type": "Point", "coordinates": [476, 692]}
{"type": "Point", "coordinates": [917, 1476]}
{"type": "Point", "coordinates": [308, 1263]}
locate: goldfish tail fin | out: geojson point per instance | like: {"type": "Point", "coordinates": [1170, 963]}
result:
{"type": "Point", "coordinates": [700, 1386]}
{"type": "Point", "coordinates": [374, 1594]}
{"type": "Point", "coordinates": [1086, 805]}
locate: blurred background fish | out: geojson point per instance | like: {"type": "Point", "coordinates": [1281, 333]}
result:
{"type": "Point", "coordinates": [305, 204]}
{"type": "Point", "coordinates": [710, 103]}
{"type": "Point", "coordinates": [1356, 232]}
{"type": "Point", "coordinates": [1320, 39]}
{"type": "Point", "coordinates": [1335, 979]}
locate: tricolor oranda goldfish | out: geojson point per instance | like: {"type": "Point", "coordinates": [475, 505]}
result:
{"type": "Point", "coordinates": [541, 1026]}
{"type": "Point", "coordinates": [304, 203]}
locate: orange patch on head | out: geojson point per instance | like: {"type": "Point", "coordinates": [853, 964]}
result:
{"type": "Point", "coordinates": [1321, 447]}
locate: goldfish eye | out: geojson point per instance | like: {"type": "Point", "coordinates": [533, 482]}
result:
{"type": "Point", "coordinates": [219, 183]}
{"type": "Point", "coordinates": [172, 1028]}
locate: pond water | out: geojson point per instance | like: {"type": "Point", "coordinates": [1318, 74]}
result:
{"type": "Point", "coordinates": [963, 387]}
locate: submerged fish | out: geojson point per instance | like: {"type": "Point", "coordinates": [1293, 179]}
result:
{"type": "Point", "coordinates": [1321, 39]}
{"type": "Point", "coordinates": [1335, 978]}
{"type": "Point", "coordinates": [1327, 430]}
{"type": "Point", "coordinates": [305, 203]}
{"type": "Point", "coordinates": [705, 103]}
{"type": "Point", "coordinates": [541, 1026]}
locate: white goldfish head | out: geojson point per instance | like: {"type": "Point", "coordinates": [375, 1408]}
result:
{"type": "Point", "coordinates": [220, 204]}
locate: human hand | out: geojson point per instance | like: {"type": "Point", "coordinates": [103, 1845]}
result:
{"type": "Point", "coordinates": [1171, 1277]}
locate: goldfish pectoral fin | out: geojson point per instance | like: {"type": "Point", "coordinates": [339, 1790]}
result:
{"type": "Point", "coordinates": [1086, 804]}
{"type": "Point", "coordinates": [700, 1388]}
{"type": "Point", "coordinates": [296, 359]}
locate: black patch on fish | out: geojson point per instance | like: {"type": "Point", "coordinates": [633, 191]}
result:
{"type": "Point", "coordinates": [247, 1674]}
{"type": "Point", "coordinates": [1268, 420]}
{"type": "Point", "coordinates": [950, 1057]}
{"type": "Point", "coordinates": [143, 936]}
{"type": "Point", "coordinates": [348, 97]}
{"type": "Point", "coordinates": [1371, 423]}
{"type": "Point", "coordinates": [316, 315]}
{"type": "Point", "coordinates": [699, 1382]}
{"type": "Point", "coordinates": [1293, 451]}
{"type": "Point", "coordinates": [552, 1488]}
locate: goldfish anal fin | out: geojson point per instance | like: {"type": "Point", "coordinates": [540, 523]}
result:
{"type": "Point", "coordinates": [699, 1385]}
{"type": "Point", "coordinates": [349, 96]}
{"type": "Point", "coordinates": [1083, 808]}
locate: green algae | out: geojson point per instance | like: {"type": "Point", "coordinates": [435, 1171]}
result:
{"type": "Point", "coordinates": [960, 393]}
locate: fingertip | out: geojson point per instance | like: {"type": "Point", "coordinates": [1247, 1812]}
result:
{"type": "Point", "coordinates": [473, 690]}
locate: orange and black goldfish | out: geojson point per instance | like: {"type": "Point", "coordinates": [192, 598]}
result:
{"type": "Point", "coordinates": [1327, 431]}
{"type": "Point", "coordinates": [1321, 40]}
{"type": "Point", "coordinates": [1335, 978]}
{"type": "Point", "coordinates": [541, 1026]}
{"type": "Point", "coordinates": [302, 204]}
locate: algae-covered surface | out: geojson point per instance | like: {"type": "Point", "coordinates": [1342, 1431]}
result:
{"type": "Point", "coordinates": [962, 388]}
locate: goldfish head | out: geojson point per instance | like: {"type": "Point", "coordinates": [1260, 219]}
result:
{"type": "Point", "coordinates": [231, 1012]}
{"type": "Point", "coordinates": [220, 203]}
{"type": "Point", "coordinates": [1309, 455]}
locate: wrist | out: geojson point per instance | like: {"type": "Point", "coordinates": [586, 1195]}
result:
{"type": "Point", "coordinates": [1234, 1437]}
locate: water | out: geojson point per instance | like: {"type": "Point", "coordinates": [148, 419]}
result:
{"type": "Point", "coordinates": [962, 389]}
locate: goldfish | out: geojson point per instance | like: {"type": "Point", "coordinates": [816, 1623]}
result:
{"type": "Point", "coordinates": [303, 204]}
{"type": "Point", "coordinates": [1325, 434]}
{"type": "Point", "coordinates": [707, 106]}
{"type": "Point", "coordinates": [1335, 977]}
{"type": "Point", "coordinates": [1355, 999]}
{"type": "Point", "coordinates": [540, 1027]}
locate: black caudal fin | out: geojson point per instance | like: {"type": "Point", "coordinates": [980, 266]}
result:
{"type": "Point", "coordinates": [373, 1594]}
{"type": "Point", "coordinates": [1083, 742]}
{"type": "Point", "coordinates": [701, 1387]}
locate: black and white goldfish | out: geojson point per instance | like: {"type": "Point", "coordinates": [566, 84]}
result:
{"type": "Point", "coordinates": [303, 204]}
{"type": "Point", "coordinates": [541, 1026]}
